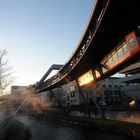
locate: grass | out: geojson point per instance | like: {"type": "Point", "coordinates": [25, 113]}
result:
{"type": "Point", "coordinates": [121, 127]}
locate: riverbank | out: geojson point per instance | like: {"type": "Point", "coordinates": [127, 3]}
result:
{"type": "Point", "coordinates": [114, 126]}
{"type": "Point", "coordinates": [119, 127]}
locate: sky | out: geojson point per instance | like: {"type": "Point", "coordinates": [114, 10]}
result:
{"type": "Point", "coordinates": [39, 33]}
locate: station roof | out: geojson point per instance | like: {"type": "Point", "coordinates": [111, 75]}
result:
{"type": "Point", "coordinates": [132, 69]}
{"type": "Point", "coordinates": [131, 79]}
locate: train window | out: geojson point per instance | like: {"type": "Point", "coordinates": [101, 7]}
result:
{"type": "Point", "coordinates": [114, 56]}
{"type": "Point", "coordinates": [97, 74]}
{"type": "Point", "coordinates": [110, 60]}
{"type": "Point", "coordinates": [132, 42]}
{"type": "Point", "coordinates": [106, 63]}
{"type": "Point", "coordinates": [120, 52]}
{"type": "Point", "coordinates": [104, 69]}
{"type": "Point", "coordinates": [125, 47]}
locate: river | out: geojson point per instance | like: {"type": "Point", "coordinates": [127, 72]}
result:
{"type": "Point", "coordinates": [45, 130]}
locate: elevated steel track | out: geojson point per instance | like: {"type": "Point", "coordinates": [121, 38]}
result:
{"type": "Point", "coordinates": [109, 22]}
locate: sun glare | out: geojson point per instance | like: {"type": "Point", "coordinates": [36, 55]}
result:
{"type": "Point", "coordinates": [85, 78]}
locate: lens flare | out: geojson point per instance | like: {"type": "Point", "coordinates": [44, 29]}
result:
{"type": "Point", "coordinates": [85, 78]}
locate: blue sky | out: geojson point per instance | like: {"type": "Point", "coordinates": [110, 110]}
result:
{"type": "Point", "coordinates": [39, 33]}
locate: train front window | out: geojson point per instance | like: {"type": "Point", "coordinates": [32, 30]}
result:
{"type": "Point", "coordinates": [138, 35]}
{"type": "Point", "coordinates": [125, 47]}
{"type": "Point", "coordinates": [138, 38]}
{"type": "Point", "coordinates": [132, 42]}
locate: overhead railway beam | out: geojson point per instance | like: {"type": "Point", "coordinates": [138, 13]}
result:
{"type": "Point", "coordinates": [41, 82]}
{"type": "Point", "coordinates": [109, 22]}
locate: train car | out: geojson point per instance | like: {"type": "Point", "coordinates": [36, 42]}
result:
{"type": "Point", "coordinates": [125, 50]}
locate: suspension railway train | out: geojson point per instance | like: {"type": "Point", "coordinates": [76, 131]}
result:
{"type": "Point", "coordinates": [125, 50]}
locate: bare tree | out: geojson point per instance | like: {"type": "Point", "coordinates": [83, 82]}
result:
{"type": "Point", "coordinates": [5, 72]}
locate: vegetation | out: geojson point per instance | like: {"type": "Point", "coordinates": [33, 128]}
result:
{"type": "Point", "coordinates": [121, 127]}
{"type": "Point", "coordinates": [5, 72]}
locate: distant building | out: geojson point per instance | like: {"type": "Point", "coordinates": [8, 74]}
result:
{"type": "Point", "coordinates": [15, 88]}
{"type": "Point", "coordinates": [72, 94]}
{"type": "Point", "coordinates": [107, 90]}
{"type": "Point", "coordinates": [67, 95]}
{"type": "Point", "coordinates": [112, 90]}
{"type": "Point", "coordinates": [59, 95]}
{"type": "Point", "coordinates": [46, 99]}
